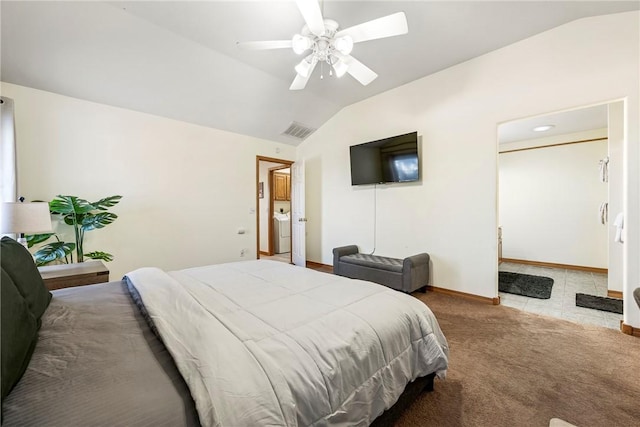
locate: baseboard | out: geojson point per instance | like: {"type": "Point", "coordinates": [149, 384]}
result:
{"type": "Point", "coordinates": [319, 266]}
{"type": "Point", "coordinates": [554, 265]}
{"type": "Point", "coordinates": [494, 301]}
{"type": "Point", "coordinates": [614, 294]}
{"type": "Point", "coordinates": [629, 330]}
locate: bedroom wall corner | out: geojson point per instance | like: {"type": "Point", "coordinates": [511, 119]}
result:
{"type": "Point", "coordinates": [186, 189]}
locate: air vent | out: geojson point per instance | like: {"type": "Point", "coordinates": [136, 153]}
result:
{"type": "Point", "coordinates": [298, 131]}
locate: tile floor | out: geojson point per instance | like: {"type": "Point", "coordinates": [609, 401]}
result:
{"type": "Point", "coordinates": [562, 303]}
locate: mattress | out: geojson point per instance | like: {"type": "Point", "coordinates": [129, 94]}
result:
{"type": "Point", "coordinates": [97, 363]}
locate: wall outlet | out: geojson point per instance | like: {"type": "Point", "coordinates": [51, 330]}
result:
{"type": "Point", "coordinates": [242, 252]}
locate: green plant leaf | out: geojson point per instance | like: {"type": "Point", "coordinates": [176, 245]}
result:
{"type": "Point", "coordinates": [99, 220]}
{"type": "Point", "coordinates": [52, 252]}
{"type": "Point", "coordinates": [72, 220]}
{"type": "Point", "coordinates": [107, 202]}
{"type": "Point", "coordinates": [99, 255]}
{"type": "Point", "coordinates": [70, 205]}
{"type": "Point", "coordinates": [34, 239]}
{"type": "Point", "coordinates": [82, 216]}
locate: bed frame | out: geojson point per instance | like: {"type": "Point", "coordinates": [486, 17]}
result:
{"type": "Point", "coordinates": [413, 390]}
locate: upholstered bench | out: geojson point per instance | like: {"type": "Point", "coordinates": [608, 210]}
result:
{"type": "Point", "coordinates": [406, 275]}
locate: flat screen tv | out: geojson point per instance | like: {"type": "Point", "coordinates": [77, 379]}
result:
{"type": "Point", "coordinates": [387, 160]}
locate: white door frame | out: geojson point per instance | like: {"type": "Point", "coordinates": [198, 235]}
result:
{"type": "Point", "coordinates": [285, 163]}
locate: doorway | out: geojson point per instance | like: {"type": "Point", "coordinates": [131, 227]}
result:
{"type": "Point", "coordinates": [273, 201]}
{"type": "Point", "coordinates": [557, 194]}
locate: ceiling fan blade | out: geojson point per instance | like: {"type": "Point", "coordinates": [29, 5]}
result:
{"type": "Point", "coordinates": [300, 81]}
{"type": "Point", "coordinates": [310, 10]}
{"type": "Point", "coordinates": [387, 26]}
{"type": "Point", "coordinates": [267, 44]}
{"type": "Point", "coordinates": [357, 69]}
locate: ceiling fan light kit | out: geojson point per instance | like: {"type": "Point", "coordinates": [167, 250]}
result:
{"type": "Point", "coordinates": [330, 46]}
{"type": "Point", "coordinates": [340, 67]}
{"type": "Point", "coordinates": [344, 45]}
{"type": "Point", "coordinates": [305, 66]}
{"type": "Point", "coordinates": [300, 44]}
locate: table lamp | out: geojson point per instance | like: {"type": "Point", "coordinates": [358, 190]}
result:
{"type": "Point", "coordinates": [21, 218]}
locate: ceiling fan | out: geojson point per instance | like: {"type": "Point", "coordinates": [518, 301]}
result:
{"type": "Point", "coordinates": [327, 43]}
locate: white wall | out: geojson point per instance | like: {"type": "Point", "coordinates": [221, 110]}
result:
{"type": "Point", "coordinates": [285, 206]}
{"type": "Point", "coordinates": [549, 200]}
{"type": "Point", "coordinates": [452, 212]}
{"type": "Point", "coordinates": [186, 189]}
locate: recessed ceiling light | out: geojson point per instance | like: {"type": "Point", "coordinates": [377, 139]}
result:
{"type": "Point", "coordinates": [543, 128]}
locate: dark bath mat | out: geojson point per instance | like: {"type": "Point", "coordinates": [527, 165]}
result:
{"type": "Point", "coordinates": [525, 284]}
{"type": "Point", "coordinates": [613, 305]}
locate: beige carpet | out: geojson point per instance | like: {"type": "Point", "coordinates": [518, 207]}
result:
{"type": "Point", "coordinates": [511, 368]}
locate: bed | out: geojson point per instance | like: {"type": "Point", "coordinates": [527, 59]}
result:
{"type": "Point", "coordinates": [246, 343]}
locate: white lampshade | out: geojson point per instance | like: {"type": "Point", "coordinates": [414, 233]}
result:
{"type": "Point", "coordinates": [304, 67]}
{"type": "Point", "coordinates": [340, 67]}
{"type": "Point", "coordinates": [31, 218]}
{"type": "Point", "coordinates": [343, 44]}
{"type": "Point", "coordinates": [300, 44]}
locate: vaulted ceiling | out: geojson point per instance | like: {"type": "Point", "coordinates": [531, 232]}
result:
{"type": "Point", "coordinates": [180, 60]}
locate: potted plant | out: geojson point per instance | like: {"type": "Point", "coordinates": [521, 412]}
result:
{"type": "Point", "coordinates": [83, 216]}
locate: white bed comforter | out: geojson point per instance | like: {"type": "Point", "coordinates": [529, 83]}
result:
{"type": "Point", "coordinates": [266, 343]}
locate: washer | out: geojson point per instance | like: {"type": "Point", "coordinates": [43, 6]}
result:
{"type": "Point", "coordinates": [281, 233]}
